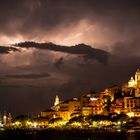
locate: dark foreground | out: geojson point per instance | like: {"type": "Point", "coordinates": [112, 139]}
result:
{"type": "Point", "coordinates": [65, 135]}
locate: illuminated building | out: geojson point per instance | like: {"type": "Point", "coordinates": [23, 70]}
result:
{"type": "Point", "coordinates": [137, 92]}
{"type": "Point", "coordinates": [135, 83]}
{"type": "Point", "coordinates": [111, 92]}
{"type": "Point", "coordinates": [93, 107]}
{"type": "Point", "coordinates": [137, 78]}
{"type": "Point", "coordinates": [117, 106]}
{"type": "Point", "coordinates": [85, 99]}
{"type": "Point", "coordinates": [48, 113]}
{"type": "Point", "coordinates": [64, 109]}
{"type": "Point", "coordinates": [96, 104]}
{"type": "Point", "coordinates": [65, 115]}
{"type": "Point", "coordinates": [132, 104]}
{"type": "Point", "coordinates": [87, 110]}
{"type": "Point", "coordinates": [125, 99]}
{"type": "Point", "coordinates": [133, 87]}
{"type": "Point", "coordinates": [69, 107]}
{"type": "Point", "coordinates": [132, 82]}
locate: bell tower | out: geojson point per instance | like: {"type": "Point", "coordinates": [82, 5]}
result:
{"type": "Point", "coordinates": [137, 78]}
{"type": "Point", "coordinates": [56, 100]}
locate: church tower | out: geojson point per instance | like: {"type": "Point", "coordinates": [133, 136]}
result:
{"type": "Point", "coordinates": [137, 78]}
{"type": "Point", "coordinates": [56, 100]}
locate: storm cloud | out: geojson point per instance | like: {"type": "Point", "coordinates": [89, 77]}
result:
{"type": "Point", "coordinates": [86, 51]}
{"type": "Point", "coordinates": [94, 22]}
{"type": "Point", "coordinates": [4, 49]}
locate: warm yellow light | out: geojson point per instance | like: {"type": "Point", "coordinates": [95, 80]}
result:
{"type": "Point", "coordinates": [119, 123]}
{"type": "Point", "coordinates": [130, 114]}
{"type": "Point", "coordinates": [17, 123]}
{"type": "Point", "coordinates": [35, 124]}
{"type": "Point", "coordinates": [29, 123]}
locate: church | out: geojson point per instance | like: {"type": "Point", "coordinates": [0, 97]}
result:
{"type": "Point", "coordinates": [135, 83]}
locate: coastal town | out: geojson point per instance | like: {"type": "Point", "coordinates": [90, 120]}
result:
{"type": "Point", "coordinates": [115, 107]}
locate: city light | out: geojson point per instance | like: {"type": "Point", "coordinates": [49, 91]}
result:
{"type": "Point", "coordinates": [35, 124]}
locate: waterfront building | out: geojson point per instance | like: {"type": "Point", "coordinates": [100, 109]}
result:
{"type": "Point", "coordinates": [69, 107]}
{"type": "Point", "coordinates": [64, 109]}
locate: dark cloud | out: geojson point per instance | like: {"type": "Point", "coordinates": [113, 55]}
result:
{"type": "Point", "coordinates": [4, 49]}
{"type": "Point", "coordinates": [70, 78]}
{"type": "Point", "coordinates": [28, 76]}
{"type": "Point", "coordinates": [87, 51]}
{"type": "Point", "coordinates": [127, 49]}
{"type": "Point", "coordinates": [107, 21]}
{"type": "Point", "coordinates": [59, 63]}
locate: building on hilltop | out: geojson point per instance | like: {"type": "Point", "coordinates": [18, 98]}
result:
{"type": "Point", "coordinates": [131, 82]}
{"type": "Point", "coordinates": [115, 99]}
{"type": "Point", "coordinates": [137, 78]}
{"type": "Point", "coordinates": [132, 89]}
{"type": "Point", "coordinates": [135, 83]}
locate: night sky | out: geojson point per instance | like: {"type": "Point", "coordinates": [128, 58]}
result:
{"type": "Point", "coordinates": [31, 74]}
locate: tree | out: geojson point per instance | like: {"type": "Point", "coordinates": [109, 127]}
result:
{"type": "Point", "coordinates": [21, 118]}
{"type": "Point", "coordinates": [98, 118]}
{"type": "Point", "coordinates": [79, 119]}
{"type": "Point", "coordinates": [55, 120]}
{"type": "Point", "coordinates": [119, 117]}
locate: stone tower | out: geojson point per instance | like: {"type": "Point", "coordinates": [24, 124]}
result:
{"type": "Point", "coordinates": [137, 78]}
{"type": "Point", "coordinates": [56, 100]}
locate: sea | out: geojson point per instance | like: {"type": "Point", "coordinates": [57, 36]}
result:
{"type": "Point", "coordinates": [65, 135]}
